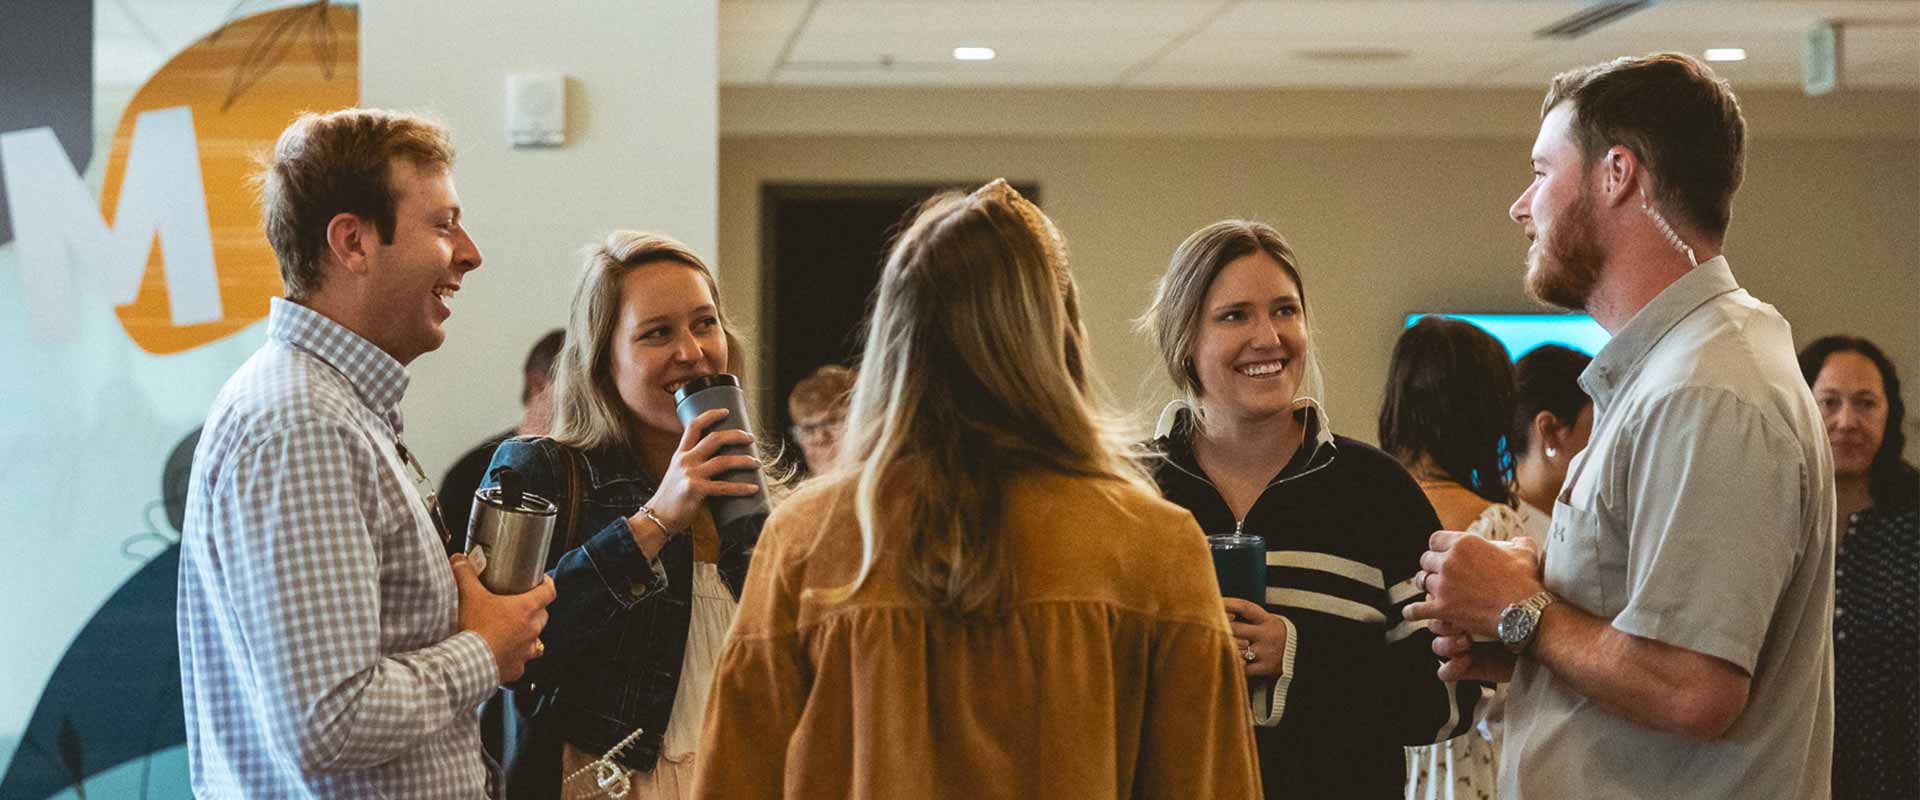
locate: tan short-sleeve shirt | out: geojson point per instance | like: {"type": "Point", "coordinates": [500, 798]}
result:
{"type": "Point", "coordinates": [1701, 516]}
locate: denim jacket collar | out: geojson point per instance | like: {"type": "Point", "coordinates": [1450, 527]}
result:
{"type": "Point", "coordinates": [616, 463]}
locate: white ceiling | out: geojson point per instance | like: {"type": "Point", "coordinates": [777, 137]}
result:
{"type": "Point", "coordinates": [1184, 43]}
{"type": "Point", "coordinates": [1283, 43]}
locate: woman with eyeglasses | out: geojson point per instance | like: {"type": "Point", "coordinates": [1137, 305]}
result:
{"type": "Point", "coordinates": [818, 407]}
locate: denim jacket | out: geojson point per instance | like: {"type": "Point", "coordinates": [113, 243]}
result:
{"type": "Point", "coordinates": [617, 629]}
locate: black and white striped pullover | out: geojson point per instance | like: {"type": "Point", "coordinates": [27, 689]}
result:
{"type": "Point", "coordinates": [1345, 526]}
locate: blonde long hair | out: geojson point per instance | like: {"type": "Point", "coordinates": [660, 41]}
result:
{"type": "Point", "coordinates": [975, 372]}
{"type": "Point", "coordinates": [588, 412]}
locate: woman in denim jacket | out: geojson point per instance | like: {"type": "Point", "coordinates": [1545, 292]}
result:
{"type": "Point", "coordinates": [645, 599]}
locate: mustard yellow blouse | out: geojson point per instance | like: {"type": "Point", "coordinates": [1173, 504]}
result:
{"type": "Point", "coordinates": [1114, 676]}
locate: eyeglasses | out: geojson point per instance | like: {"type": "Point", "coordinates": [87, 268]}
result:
{"type": "Point", "coordinates": [427, 494]}
{"type": "Point", "coordinates": [810, 431]}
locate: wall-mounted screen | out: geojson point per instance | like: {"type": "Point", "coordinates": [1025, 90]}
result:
{"type": "Point", "coordinates": [1523, 332]}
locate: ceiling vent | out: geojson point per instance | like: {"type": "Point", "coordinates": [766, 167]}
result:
{"type": "Point", "coordinates": [1353, 55]}
{"type": "Point", "coordinates": [1584, 21]}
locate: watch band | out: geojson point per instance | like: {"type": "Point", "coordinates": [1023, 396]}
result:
{"type": "Point", "coordinates": [1533, 605]}
{"type": "Point", "coordinates": [1540, 601]}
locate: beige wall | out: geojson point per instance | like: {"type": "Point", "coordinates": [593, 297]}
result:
{"type": "Point", "coordinates": [642, 141]}
{"type": "Point", "coordinates": [1395, 202]}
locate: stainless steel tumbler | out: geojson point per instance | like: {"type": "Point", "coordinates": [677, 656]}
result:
{"type": "Point", "coordinates": [509, 535]}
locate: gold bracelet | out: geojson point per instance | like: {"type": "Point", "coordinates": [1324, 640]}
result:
{"type": "Point", "coordinates": [664, 530]}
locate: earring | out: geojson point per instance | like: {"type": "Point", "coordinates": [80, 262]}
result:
{"type": "Point", "coordinates": [1553, 452]}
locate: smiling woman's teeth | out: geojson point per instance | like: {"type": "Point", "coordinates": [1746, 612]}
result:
{"type": "Point", "coordinates": [1262, 370]}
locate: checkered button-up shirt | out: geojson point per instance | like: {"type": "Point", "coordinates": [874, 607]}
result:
{"type": "Point", "coordinates": [319, 648]}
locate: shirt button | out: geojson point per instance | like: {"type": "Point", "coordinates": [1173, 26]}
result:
{"type": "Point", "coordinates": [1840, 636]}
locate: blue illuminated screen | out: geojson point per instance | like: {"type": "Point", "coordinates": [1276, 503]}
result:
{"type": "Point", "coordinates": [1523, 332]}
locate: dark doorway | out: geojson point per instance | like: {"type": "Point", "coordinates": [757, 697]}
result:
{"type": "Point", "coordinates": [821, 252]}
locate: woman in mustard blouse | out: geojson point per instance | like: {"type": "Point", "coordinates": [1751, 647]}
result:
{"type": "Point", "coordinates": [986, 597]}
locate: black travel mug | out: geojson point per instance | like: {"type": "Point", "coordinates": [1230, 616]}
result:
{"type": "Point", "coordinates": [721, 390]}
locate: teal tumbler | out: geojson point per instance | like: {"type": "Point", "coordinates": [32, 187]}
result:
{"type": "Point", "coordinates": [1240, 562]}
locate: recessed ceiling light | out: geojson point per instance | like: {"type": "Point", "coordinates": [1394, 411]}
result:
{"type": "Point", "coordinates": [1726, 54]}
{"type": "Point", "coordinates": [973, 54]}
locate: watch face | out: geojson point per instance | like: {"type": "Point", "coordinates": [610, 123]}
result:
{"type": "Point", "coordinates": [1517, 623]}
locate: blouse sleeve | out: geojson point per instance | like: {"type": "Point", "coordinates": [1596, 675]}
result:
{"type": "Point", "coordinates": [760, 684]}
{"type": "Point", "coordinates": [1499, 523]}
{"type": "Point", "coordinates": [1197, 737]}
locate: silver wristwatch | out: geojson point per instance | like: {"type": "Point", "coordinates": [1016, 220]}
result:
{"type": "Point", "coordinates": [1520, 622]}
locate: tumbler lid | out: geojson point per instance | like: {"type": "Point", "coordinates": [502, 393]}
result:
{"type": "Point", "coordinates": [702, 383]}
{"type": "Point", "coordinates": [510, 495]}
{"type": "Point", "coordinates": [529, 503]}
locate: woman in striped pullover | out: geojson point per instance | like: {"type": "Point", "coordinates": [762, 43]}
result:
{"type": "Point", "coordinates": [1338, 682]}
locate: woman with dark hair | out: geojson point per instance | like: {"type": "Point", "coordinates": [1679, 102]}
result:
{"type": "Point", "coordinates": [1340, 681]}
{"type": "Point", "coordinates": [1552, 417]}
{"type": "Point", "coordinates": [1876, 616]}
{"type": "Point", "coordinates": [1448, 407]}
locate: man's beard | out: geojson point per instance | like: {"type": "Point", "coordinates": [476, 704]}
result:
{"type": "Point", "coordinates": [1565, 264]}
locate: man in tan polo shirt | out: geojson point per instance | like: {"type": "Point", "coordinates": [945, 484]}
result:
{"type": "Point", "coordinates": [1676, 643]}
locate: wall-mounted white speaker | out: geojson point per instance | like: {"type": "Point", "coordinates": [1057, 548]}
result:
{"type": "Point", "coordinates": [537, 109]}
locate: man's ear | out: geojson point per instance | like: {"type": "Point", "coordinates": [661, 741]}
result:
{"type": "Point", "coordinates": [537, 384]}
{"type": "Point", "coordinates": [349, 238]}
{"type": "Point", "coordinates": [1620, 175]}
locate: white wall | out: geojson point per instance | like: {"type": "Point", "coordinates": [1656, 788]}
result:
{"type": "Point", "coordinates": [641, 152]}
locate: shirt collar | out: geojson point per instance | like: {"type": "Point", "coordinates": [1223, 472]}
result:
{"type": "Point", "coordinates": [1621, 355]}
{"type": "Point", "coordinates": [1317, 445]}
{"type": "Point", "coordinates": [379, 379]}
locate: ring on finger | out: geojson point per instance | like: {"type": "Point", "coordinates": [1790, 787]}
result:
{"type": "Point", "coordinates": [1248, 655]}
{"type": "Point", "coordinates": [1420, 580]}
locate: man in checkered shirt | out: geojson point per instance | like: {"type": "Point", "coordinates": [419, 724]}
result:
{"type": "Point", "coordinates": [327, 648]}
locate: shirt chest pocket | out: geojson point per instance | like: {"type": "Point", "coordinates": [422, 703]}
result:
{"type": "Point", "coordinates": [1585, 565]}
